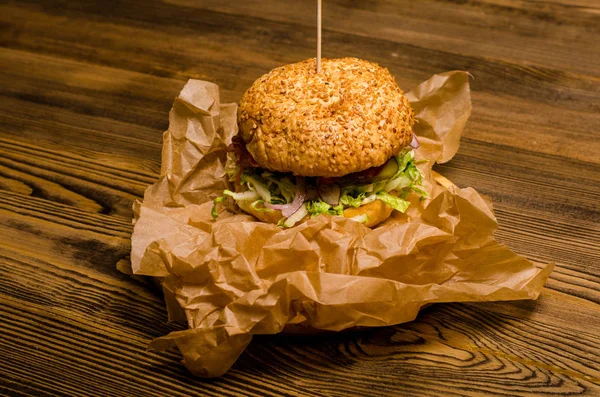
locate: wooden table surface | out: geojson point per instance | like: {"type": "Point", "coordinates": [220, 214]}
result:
{"type": "Point", "coordinates": [86, 90]}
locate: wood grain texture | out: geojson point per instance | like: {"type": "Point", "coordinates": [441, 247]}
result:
{"type": "Point", "coordinates": [86, 91]}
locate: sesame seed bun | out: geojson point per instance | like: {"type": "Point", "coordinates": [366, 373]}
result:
{"type": "Point", "coordinates": [349, 117]}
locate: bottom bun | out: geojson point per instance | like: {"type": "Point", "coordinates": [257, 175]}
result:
{"type": "Point", "coordinates": [377, 211]}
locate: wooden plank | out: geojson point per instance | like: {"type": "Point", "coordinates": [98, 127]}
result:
{"type": "Point", "coordinates": [261, 39]}
{"type": "Point", "coordinates": [557, 228]}
{"type": "Point", "coordinates": [78, 317]}
{"type": "Point", "coordinates": [63, 301]}
{"type": "Point", "coordinates": [495, 120]}
{"type": "Point", "coordinates": [544, 212]}
{"type": "Point", "coordinates": [555, 107]}
{"type": "Point", "coordinates": [50, 175]}
{"type": "Point", "coordinates": [87, 87]}
{"type": "Point", "coordinates": [502, 30]}
{"type": "Point", "coordinates": [451, 349]}
{"type": "Point", "coordinates": [110, 100]}
{"type": "Point", "coordinates": [101, 164]}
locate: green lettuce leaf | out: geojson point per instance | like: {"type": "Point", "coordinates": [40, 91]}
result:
{"type": "Point", "coordinates": [356, 190]}
{"type": "Point", "coordinates": [317, 207]}
{"type": "Point", "coordinates": [214, 213]}
{"type": "Point", "coordinates": [348, 201]}
{"type": "Point", "coordinates": [282, 189]}
{"type": "Point", "coordinates": [259, 186]}
{"type": "Point", "coordinates": [262, 208]}
{"type": "Point", "coordinates": [395, 202]}
{"type": "Point", "coordinates": [248, 195]}
{"type": "Point", "coordinates": [337, 210]}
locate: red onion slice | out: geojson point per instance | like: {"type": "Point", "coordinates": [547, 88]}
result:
{"type": "Point", "coordinates": [279, 207]}
{"type": "Point", "coordinates": [415, 142]}
{"type": "Point", "coordinates": [311, 192]}
{"type": "Point", "coordinates": [330, 193]}
{"type": "Point", "coordinates": [288, 210]}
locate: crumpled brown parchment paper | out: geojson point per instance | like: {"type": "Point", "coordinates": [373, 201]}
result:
{"type": "Point", "coordinates": [237, 277]}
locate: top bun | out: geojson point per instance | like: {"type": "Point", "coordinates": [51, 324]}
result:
{"type": "Point", "coordinates": [349, 117]}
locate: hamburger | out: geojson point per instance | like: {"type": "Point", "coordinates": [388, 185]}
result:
{"type": "Point", "coordinates": [337, 142]}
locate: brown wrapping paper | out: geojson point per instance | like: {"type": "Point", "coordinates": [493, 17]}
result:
{"type": "Point", "coordinates": [237, 277]}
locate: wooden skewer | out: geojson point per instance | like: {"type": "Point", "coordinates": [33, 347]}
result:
{"type": "Point", "coordinates": [319, 7]}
